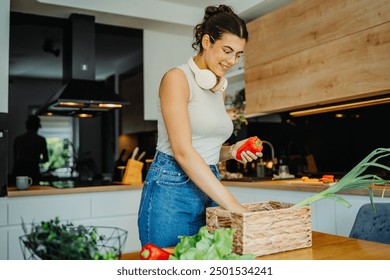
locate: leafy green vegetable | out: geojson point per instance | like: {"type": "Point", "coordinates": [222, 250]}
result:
{"type": "Point", "coordinates": [51, 240]}
{"type": "Point", "coordinates": [208, 246]}
{"type": "Point", "coordinates": [355, 179]}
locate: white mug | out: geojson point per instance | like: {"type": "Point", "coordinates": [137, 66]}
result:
{"type": "Point", "coordinates": [23, 182]}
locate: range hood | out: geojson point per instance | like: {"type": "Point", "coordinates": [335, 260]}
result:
{"type": "Point", "coordinates": [81, 95]}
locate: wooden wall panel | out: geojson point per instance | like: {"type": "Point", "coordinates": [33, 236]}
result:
{"type": "Point", "coordinates": [316, 52]}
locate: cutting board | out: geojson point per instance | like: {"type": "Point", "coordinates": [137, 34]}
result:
{"type": "Point", "coordinates": [303, 183]}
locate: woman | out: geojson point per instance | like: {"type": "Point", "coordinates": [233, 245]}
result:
{"type": "Point", "coordinates": [183, 179]}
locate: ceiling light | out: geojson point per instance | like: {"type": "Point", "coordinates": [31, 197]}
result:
{"type": "Point", "coordinates": [84, 115]}
{"type": "Point", "coordinates": [346, 106]}
{"type": "Point", "coordinates": [70, 104]}
{"type": "Point", "coordinates": [108, 105]}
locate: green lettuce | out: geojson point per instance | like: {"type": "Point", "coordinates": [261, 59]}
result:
{"type": "Point", "coordinates": [204, 245]}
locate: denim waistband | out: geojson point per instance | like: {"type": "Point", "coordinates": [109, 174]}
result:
{"type": "Point", "coordinates": [167, 159]}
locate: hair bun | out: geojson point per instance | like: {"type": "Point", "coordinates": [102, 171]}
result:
{"type": "Point", "coordinates": [217, 20]}
{"type": "Point", "coordinates": [213, 10]}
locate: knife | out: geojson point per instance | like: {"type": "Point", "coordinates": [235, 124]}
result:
{"type": "Point", "coordinates": [135, 152]}
{"type": "Point", "coordinates": [141, 156]}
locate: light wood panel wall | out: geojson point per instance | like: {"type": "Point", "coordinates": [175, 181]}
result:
{"type": "Point", "coordinates": [315, 52]}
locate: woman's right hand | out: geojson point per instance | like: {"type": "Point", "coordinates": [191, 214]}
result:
{"type": "Point", "coordinates": [238, 209]}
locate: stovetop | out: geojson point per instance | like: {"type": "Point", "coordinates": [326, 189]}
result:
{"type": "Point", "coordinates": [61, 184]}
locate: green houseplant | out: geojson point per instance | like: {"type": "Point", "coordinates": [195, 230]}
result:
{"type": "Point", "coordinates": [239, 119]}
{"type": "Point", "coordinates": [53, 240]}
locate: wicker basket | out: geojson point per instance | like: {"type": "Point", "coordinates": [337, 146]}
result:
{"type": "Point", "coordinates": [270, 227]}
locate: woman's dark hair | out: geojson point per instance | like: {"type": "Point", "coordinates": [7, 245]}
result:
{"type": "Point", "coordinates": [217, 21]}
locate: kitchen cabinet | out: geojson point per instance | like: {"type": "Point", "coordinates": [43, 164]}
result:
{"type": "Point", "coordinates": [3, 230]}
{"type": "Point", "coordinates": [318, 52]}
{"type": "Point", "coordinates": [114, 209]}
{"type": "Point", "coordinates": [132, 116]}
{"type": "Point", "coordinates": [119, 208]}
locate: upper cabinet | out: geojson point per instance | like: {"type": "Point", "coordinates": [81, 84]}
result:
{"type": "Point", "coordinates": [131, 87]}
{"type": "Point", "coordinates": [317, 52]}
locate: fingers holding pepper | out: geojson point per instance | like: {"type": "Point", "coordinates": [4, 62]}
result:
{"type": "Point", "coordinates": [248, 156]}
{"type": "Point", "coordinates": [248, 149]}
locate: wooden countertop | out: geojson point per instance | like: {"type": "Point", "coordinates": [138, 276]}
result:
{"type": "Point", "coordinates": [48, 190]}
{"type": "Point", "coordinates": [325, 247]}
{"type": "Point", "coordinates": [286, 185]}
{"type": "Point", "coordinates": [299, 185]}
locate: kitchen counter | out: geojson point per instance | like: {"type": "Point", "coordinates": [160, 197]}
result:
{"type": "Point", "coordinates": [301, 186]}
{"type": "Point", "coordinates": [325, 247]}
{"type": "Point", "coordinates": [287, 185]}
{"type": "Point", "coordinates": [110, 205]}
{"type": "Point", "coordinates": [48, 190]}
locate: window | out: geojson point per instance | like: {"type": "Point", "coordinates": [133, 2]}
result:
{"type": "Point", "coordinates": [62, 142]}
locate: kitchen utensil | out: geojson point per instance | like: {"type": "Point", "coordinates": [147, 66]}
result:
{"type": "Point", "coordinates": [122, 159]}
{"type": "Point", "coordinates": [133, 172]}
{"type": "Point", "coordinates": [311, 164]}
{"type": "Point", "coordinates": [141, 156]}
{"type": "Point", "coordinates": [307, 184]}
{"type": "Point", "coordinates": [135, 152]}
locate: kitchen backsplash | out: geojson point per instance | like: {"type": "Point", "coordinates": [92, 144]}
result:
{"type": "Point", "coordinates": [336, 143]}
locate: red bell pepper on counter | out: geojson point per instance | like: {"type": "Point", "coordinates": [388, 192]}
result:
{"type": "Point", "coordinates": [153, 252]}
{"type": "Point", "coordinates": [327, 179]}
{"type": "Point", "coordinates": [253, 144]}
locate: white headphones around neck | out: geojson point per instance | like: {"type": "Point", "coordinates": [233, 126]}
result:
{"type": "Point", "coordinates": [205, 78]}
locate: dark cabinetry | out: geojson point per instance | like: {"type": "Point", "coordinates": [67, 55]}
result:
{"type": "Point", "coordinates": [3, 162]}
{"type": "Point", "coordinates": [132, 116]}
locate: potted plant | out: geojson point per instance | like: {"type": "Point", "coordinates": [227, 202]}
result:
{"type": "Point", "coordinates": [53, 240]}
{"type": "Point", "coordinates": [239, 119]}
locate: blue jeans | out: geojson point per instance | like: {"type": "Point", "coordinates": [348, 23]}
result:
{"type": "Point", "coordinates": [171, 204]}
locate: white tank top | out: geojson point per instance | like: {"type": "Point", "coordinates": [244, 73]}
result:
{"type": "Point", "coordinates": [210, 124]}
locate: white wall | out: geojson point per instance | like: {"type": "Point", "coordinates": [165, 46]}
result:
{"type": "Point", "coordinates": [4, 54]}
{"type": "Point", "coordinates": [162, 51]}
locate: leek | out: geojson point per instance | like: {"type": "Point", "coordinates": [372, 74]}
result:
{"type": "Point", "coordinates": [355, 179]}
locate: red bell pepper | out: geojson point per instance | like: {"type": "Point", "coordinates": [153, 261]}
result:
{"type": "Point", "coordinates": [253, 144]}
{"type": "Point", "coordinates": [153, 252]}
{"type": "Point", "coordinates": [327, 179]}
